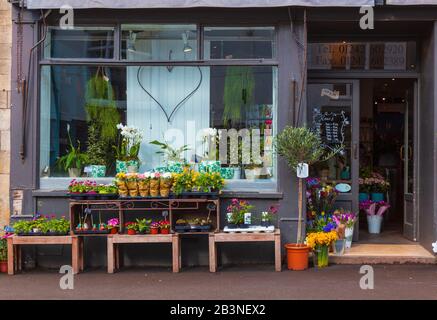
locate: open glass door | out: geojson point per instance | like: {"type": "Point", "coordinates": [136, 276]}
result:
{"type": "Point", "coordinates": [333, 112]}
{"type": "Point", "coordinates": [408, 155]}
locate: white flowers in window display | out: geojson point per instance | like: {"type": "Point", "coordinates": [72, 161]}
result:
{"type": "Point", "coordinates": [129, 146]}
{"type": "Point", "coordinates": [434, 247]}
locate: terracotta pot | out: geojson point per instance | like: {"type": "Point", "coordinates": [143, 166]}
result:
{"type": "Point", "coordinates": [165, 231]}
{"type": "Point", "coordinates": [114, 231]}
{"type": "Point", "coordinates": [131, 232]}
{"type": "Point", "coordinates": [297, 256]}
{"type": "Point", "coordinates": [3, 266]}
{"type": "Point", "coordinates": [154, 230]}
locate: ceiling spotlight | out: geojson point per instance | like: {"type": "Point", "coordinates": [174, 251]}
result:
{"type": "Point", "coordinates": [187, 47]}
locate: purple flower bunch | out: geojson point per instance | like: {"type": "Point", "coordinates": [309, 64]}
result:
{"type": "Point", "coordinates": [344, 217]}
{"type": "Point", "coordinates": [374, 208]}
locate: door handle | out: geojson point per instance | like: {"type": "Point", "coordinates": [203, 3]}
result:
{"type": "Point", "coordinates": [401, 153]}
{"type": "Point", "coordinates": [410, 153]}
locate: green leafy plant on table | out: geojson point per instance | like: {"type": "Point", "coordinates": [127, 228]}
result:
{"type": "Point", "coordinates": [171, 154]}
{"type": "Point", "coordinates": [144, 225]}
{"type": "Point", "coordinates": [74, 159]}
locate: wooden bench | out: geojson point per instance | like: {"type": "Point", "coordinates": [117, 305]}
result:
{"type": "Point", "coordinates": [223, 237]}
{"type": "Point", "coordinates": [15, 242]}
{"type": "Point", "coordinates": [115, 240]}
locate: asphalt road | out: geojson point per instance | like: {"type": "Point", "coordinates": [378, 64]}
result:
{"type": "Point", "coordinates": [242, 282]}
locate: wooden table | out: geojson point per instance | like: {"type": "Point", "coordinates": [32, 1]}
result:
{"type": "Point", "coordinates": [115, 240]}
{"type": "Point", "coordinates": [222, 237]}
{"type": "Point", "coordinates": [15, 242]}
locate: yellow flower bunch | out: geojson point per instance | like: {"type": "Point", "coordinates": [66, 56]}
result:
{"type": "Point", "coordinates": [121, 176]}
{"type": "Point", "coordinates": [315, 239]}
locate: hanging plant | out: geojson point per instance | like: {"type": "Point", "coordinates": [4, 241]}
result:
{"type": "Point", "coordinates": [238, 93]}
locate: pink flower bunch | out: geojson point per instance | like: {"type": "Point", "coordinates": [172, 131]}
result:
{"type": "Point", "coordinates": [155, 225]}
{"type": "Point", "coordinates": [346, 218]}
{"type": "Point", "coordinates": [114, 222]}
{"type": "Point", "coordinates": [239, 206]}
{"type": "Point", "coordinates": [76, 186]}
{"type": "Point", "coordinates": [374, 208]}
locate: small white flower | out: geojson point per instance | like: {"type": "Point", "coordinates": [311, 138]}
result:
{"type": "Point", "coordinates": [434, 247]}
{"type": "Point", "coordinates": [147, 174]}
{"type": "Point", "coordinates": [166, 175]}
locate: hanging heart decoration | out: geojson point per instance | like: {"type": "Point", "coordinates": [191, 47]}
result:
{"type": "Point", "coordinates": [176, 108]}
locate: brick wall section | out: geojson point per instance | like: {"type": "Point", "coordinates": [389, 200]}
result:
{"type": "Point", "coordinates": [5, 112]}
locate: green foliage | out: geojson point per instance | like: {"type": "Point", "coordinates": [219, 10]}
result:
{"type": "Point", "coordinates": [43, 224]}
{"type": "Point", "coordinates": [3, 249]}
{"type": "Point", "coordinates": [23, 226]}
{"type": "Point", "coordinates": [74, 157]}
{"type": "Point", "coordinates": [238, 93]}
{"type": "Point", "coordinates": [96, 151]}
{"type": "Point", "coordinates": [172, 154]}
{"type": "Point", "coordinates": [300, 144]}
{"type": "Point", "coordinates": [144, 225]}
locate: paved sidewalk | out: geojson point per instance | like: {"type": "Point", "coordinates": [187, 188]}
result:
{"type": "Point", "coordinates": [242, 282]}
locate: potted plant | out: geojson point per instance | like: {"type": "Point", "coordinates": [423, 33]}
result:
{"type": "Point", "coordinates": [194, 224]}
{"type": "Point", "coordinates": [128, 149]}
{"type": "Point", "coordinates": [379, 186]}
{"type": "Point", "coordinates": [252, 171]}
{"type": "Point", "coordinates": [74, 160]}
{"type": "Point", "coordinates": [120, 182]}
{"type": "Point", "coordinates": [184, 181]}
{"type": "Point", "coordinates": [165, 226]}
{"type": "Point", "coordinates": [165, 184]}
{"type": "Point", "coordinates": [132, 228]}
{"type": "Point", "coordinates": [143, 225]}
{"type": "Point", "coordinates": [57, 227]}
{"type": "Point", "coordinates": [267, 217]}
{"type": "Point", "coordinates": [217, 182]}
{"type": "Point", "coordinates": [375, 212]}
{"type": "Point", "coordinates": [113, 225]}
{"type": "Point", "coordinates": [238, 212]}
{"type": "Point", "coordinates": [172, 155]}
{"type": "Point", "coordinates": [144, 184]}
{"type": "Point", "coordinates": [320, 242]}
{"type": "Point", "coordinates": [181, 225]}
{"type": "Point", "coordinates": [155, 178]}
{"type": "Point", "coordinates": [107, 191]}
{"type": "Point", "coordinates": [154, 227]}
{"type": "Point", "coordinates": [96, 153]}
{"type": "Point", "coordinates": [3, 254]}
{"type": "Point", "coordinates": [132, 184]}
{"type": "Point", "coordinates": [299, 146]}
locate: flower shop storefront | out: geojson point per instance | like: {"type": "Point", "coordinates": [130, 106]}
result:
{"type": "Point", "coordinates": [176, 111]}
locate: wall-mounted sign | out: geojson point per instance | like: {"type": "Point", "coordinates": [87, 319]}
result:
{"type": "Point", "coordinates": [332, 94]}
{"type": "Point", "coordinates": [359, 56]}
{"type": "Point", "coordinates": [331, 126]}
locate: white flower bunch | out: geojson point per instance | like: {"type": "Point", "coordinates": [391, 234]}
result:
{"type": "Point", "coordinates": [132, 134]}
{"type": "Point", "coordinates": [166, 175]}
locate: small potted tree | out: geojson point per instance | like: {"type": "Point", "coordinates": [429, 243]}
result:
{"type": "Point", "coordinates": [300, 147]}
{"type": "Point", "coordinates": [3, 255]}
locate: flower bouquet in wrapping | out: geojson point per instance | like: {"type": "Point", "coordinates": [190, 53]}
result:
{"type": "Point", "coordinates": [132, 184]}
{"type": "Point", "coordinates": [374, 208]}
{"type": "Point", "coordinates": [144, 184]}
{"type": "Point", "coordinates": [120, 182]}
{"type": "Point", "coordinates": [165, 184]}
{"type": "Point", "coordinates": [154, 184]}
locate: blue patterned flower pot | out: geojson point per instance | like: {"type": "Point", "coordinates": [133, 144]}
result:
{"type": "Point", "coordinates": [175, 167]}
{"type": "Point", "coordinates": [133, 166]}
{"type": "Point", "coordinates": [376, 197]}
{"type": "Point", "coordinates": [363, 196]}
{"type": "Point", "coordinates": [97, 171]}
{"type": "Point", "coordinates": [209, 166]}
{"type": "Point", "coordinates": [120, 166]}
{"type": "Point", "coordinates": [227, 173]}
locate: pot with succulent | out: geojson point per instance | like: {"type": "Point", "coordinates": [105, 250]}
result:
{"type": "Point", "coordinates": [74, 160]}
{"type": "Point", "coordinates": [154, 227]}
{"type": "Point", "coordinates": [164, 225]}
{"type": "Point", "coordinates": [127, 149]}
{"type": "Point", "coordinates": [300, 147]}
{"type": "Point", "coordinates": [143, 225]}
{"type": "Point", "coordinates": [113, 225]}
{"type": "Point", "coordinates": [239, 214]}
{"type": "Point", "coordinates": [131, 227]}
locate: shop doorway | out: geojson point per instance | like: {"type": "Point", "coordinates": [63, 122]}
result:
{"type": "Point", "coordinates": [387, 148]}
{"type": "Point", "coordinates": [375, 121]}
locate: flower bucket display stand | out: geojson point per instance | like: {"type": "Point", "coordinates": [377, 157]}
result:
{"type": "Point", "coordinates": [115, 240]}
{"type": "Point", "coordinates": [15, 242]}
{"type": "Point", "coordinates": [223, 237]}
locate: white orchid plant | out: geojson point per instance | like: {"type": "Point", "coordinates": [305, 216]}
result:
{"type": "Point", "coordinates": [129, 144]}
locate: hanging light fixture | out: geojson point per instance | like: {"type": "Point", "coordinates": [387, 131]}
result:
{"type": "Point", "coordinates": [187, 47]}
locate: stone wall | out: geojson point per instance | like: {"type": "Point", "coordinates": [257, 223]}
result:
{"type": "Point", "coordinates": [5, 112]}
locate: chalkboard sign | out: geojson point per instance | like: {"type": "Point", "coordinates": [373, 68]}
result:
{"type": "Point", "coordinates": [331, 125]}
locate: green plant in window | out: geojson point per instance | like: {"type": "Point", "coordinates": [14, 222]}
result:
{"type": "Point", "coordinates": [74, 158]}
{"type": "Point", "coordinates": [96, 151]}
{"type": "Point", "coordinates": [238, 93]}
{"type": "Point", "coordinates": [172, 154]}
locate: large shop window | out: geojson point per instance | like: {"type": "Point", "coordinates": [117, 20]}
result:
{"type": "Point", "coordinates": [175, 104]}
